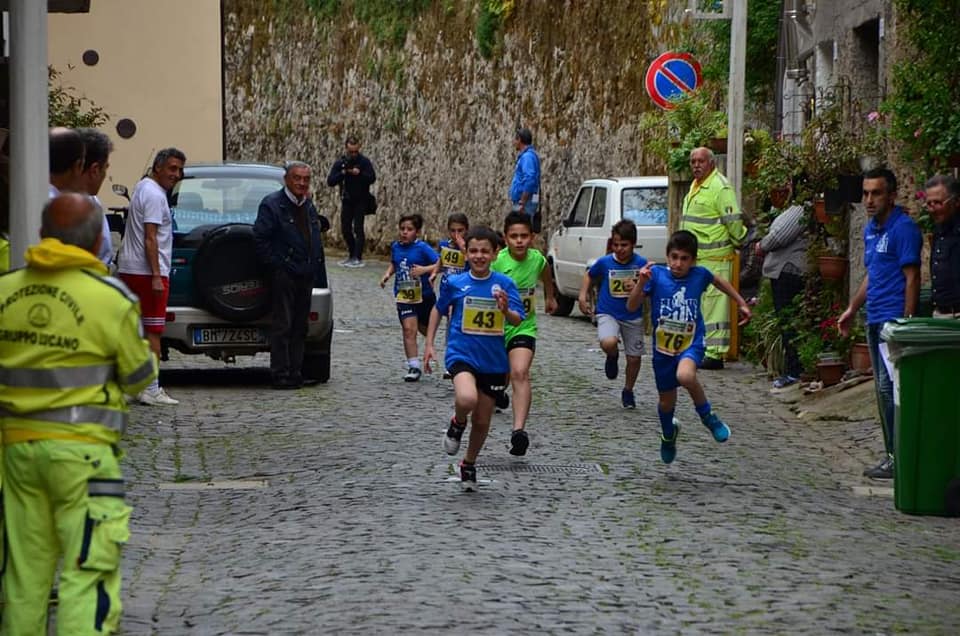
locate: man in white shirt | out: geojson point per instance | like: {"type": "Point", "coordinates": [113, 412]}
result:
{"type": "Point", "coordinates": [146, 251]}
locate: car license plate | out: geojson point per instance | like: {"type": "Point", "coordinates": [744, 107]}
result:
{"type": "Point", "coordinates": [228, 335]}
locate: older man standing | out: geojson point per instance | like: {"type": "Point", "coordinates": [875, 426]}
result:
{"type": "Point", "coordinates": [942, 200]}
{"type": "Point", "coordinates": [71, 346]}
{"type": "Point", "coordinates": [146, 253]}
{"type": "Point", "coordinates": [890, 289]}
{"type": "Point", "coordinates": [287, 234]}
{"type": "Point", "coordinates": [711, 212]}
{"type": "Point", "coordinates": [525, 186]}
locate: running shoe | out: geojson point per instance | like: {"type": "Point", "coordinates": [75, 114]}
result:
{"type": "Point", "coordinates": [156, 397]}
{"type": "Point", "coordinates": [611, 367]}
{"type": "Point", "coordinates": [502, 400]}
{"type": "Point", "coordinates": [784, 381]}
{"type": "Point", "coordinates": [721, 432]}
{"type": "Point", "coordinates": [451, 441]}
{"type": "Point", "coordinates": [627, 399]}
{"type": "Point", "coordinates": [883, 470]}
{"type": "Point", "coordinates": [468, 477]}
{"type": "Point", "coordinates": [668, 447]}
{"type": "Point", "coordinates": [412, 375]}
{"type": "Point", "coordinates": [345, 262]}
{"type": "Point", "coordinates": [355, 263]}
{"type": "Point", "coordinates": [519, 441]}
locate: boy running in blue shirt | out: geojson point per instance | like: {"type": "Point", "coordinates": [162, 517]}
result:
{"type": "Point", "coordinates": [453, 250]}
{"type": "Point", "coordinates": [678, 336]}
{"type": "Point", "coordinates": [411, 263]}
{"type": "Point", "coordinates": [482, 300]}
{"type": "Point", "coordinates": [525, 266]}
{"type": "Point", "coordinates": [614, 273]}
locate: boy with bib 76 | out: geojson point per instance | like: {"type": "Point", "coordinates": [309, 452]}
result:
{"type": "Point", "coordinates": [615, 274]}
{"type": "Point", "coordinates": [482, 301]}
{"type": "Point", "coordinates": [678, 339]}
{"type": "Point", "coordinates": [411, 263]}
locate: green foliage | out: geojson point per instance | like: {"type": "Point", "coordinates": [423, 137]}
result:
{"type": "Point", "coordinates": [324, 8]}
{"type": "Point", "coordinates": [68, 109]}
{"type": "Point", "coordinates": [926, 86]}
{"type": "Point", "coordinates": [762, 338]}
{"type": "Point", "coordinates": [493, 13]}
{"type": "Point", "coordinates": [388, 20]}
{"type": "Point", "coordinates": [693, 122]}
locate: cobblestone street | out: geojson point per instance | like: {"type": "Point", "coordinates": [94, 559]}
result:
{"type": "Point", "coordinates": [333, 509]}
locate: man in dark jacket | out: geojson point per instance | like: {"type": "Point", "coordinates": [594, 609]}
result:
{"type": "Point", "coordinates": [287, 236]}
{"type": "Point", "coordinates": [943, 201]}
{"type": "Point", "coordinates": [353, 174]}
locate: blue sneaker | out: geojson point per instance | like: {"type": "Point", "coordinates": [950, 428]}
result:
{"type": "Point", "coordinates": [627, 399]}
{"type": "Point", "coordinates": [668, 447]}
{"type": "Point", "coordinates": [721, 432]}
{"type": "Point", "coordinates": [611, 368]}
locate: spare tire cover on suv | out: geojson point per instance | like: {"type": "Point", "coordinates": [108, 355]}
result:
{"type": "Point", "coordinates": [229, 278]}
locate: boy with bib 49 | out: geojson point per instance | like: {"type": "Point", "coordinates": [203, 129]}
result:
{"type": "Point", "coordinates": [615, 273]}
{"type": "Point", "coordinates": [525, 267]}
{"type": "Point", "coordinates": [482, 301]}
{"type": "Point", "coordinates": [674, 291]}
{"type": "Point", "coordinates": [411, 263]}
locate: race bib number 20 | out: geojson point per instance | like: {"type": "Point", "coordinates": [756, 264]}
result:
{"type": "Point", "coordinates": [481, 317]}
{"type": "Point", "coordinates": [621, 281]}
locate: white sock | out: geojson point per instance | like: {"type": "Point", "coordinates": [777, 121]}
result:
{"type": "Point", "coordinates": [413, 363]}
{"type": "Point", "coordinates": [153, 387]}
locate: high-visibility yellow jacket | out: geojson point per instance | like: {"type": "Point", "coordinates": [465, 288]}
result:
{"type": "Point", "coordinates": [4, 254]}
{"type": "Point", "coordinates": [711, 212]}
{"type": "Point", "coordinates": [71, 343]}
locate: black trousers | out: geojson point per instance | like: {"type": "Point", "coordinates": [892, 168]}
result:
{"type": "Point", "coordinates": [291, 311]}
{"type": "Point", "coordinates": [351, 226]}
{"type": "Point", "coordinates": [785, 288]}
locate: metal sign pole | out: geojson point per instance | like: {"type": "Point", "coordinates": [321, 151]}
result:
{"type": "Point", "coordinates": [737, 94]}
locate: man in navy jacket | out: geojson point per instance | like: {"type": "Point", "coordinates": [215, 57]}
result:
{"type": "Point", "coordinates": [287, 234]}
{"type": "Point", "coordinates": [353, 173]}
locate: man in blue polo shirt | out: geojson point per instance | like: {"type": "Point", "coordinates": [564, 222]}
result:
{"type": "Point", "coordinates": [525, 187]}
{"type": "Point", "coordinates": [890, 289]}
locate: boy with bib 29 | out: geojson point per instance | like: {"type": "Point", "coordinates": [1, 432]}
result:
{"type": "Point", "coordinates": [678, 340]}
{"type": "Point", "coordinates": [482, 301]}
{"type": "Point", "coordinates": [615, 274]}
{"type": "Point", "coordinates": [411, 263]}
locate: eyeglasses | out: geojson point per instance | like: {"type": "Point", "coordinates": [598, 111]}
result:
{"type": "Point", "coordinates": [937, 204]}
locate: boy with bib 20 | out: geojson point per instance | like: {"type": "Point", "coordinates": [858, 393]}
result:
{"type": "Point", "coordinates": [678, 339]}
{"type": "Point", "coordinates": [411, 263]}
{"type": "Point", "coordinates": [615, 273]}
{"type": "Point", "coordinates": [482, 301]}
{"type": "Point", "coordinates": [525, 267]}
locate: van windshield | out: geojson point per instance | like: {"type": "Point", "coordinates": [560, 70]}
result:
{"type": "Point", "coordinates": [645, 206]}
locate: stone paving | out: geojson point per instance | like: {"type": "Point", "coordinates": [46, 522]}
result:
{"type": "Point", "coordinates": [333, 509]}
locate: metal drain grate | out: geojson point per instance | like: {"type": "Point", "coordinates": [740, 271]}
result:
{"type": "Point", "coordinates": [566, 469]}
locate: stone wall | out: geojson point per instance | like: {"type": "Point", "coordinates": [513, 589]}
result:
{"type": "Point", "coordinates": [436, 117]}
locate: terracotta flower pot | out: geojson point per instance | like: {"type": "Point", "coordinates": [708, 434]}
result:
{"type": "Point", "coordinates": [718, 145]}
{"type": "Point", "coordinates": [832, 267]}
{"type": "Point", "coordinates": [820, 211]}
{"type": "Point", "coordinates": [860, 357]}
{"type": "Point", "coordinates": [830, 373]}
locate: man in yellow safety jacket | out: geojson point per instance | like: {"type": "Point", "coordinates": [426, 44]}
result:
{"type": "Point", "coordinates": [711, 212]}
{"type": "Point", "coordinates": [71, 345]}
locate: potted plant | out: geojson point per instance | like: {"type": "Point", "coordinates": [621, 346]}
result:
{"type": "Point", "coordinates": [693, 122]}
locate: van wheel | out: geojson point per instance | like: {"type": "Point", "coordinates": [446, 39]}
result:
{"type": "Point", "coordinates": [564, 305]}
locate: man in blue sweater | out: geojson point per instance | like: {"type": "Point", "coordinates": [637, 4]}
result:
{"type": "Point", "coordinates": [525, 187]}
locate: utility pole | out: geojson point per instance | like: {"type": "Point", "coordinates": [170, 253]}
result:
{"type": "Point", "coordinates": [29, 145]}
{"type": "Point", "coordinates": [736, 95]}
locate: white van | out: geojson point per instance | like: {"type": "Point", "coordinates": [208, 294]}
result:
{"type": "Point", "coordinates": [585, 230]}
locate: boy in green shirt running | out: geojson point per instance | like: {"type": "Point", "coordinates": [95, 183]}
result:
{"type": "Point", "coordinates": [525, 266]}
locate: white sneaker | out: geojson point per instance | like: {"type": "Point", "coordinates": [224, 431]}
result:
{"type": "Point", "coordinates": [345, 262]}
{"type": "Point", "coordinates": [355, 263]}
{"type": "Point", "coordinates": [156, 398]}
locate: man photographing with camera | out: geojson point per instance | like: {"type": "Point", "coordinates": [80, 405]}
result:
{"type": "Point", "coordinates": [353, 174]}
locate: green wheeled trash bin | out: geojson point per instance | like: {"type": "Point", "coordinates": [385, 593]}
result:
{"type": "Point", "coordinates": [926, 356]}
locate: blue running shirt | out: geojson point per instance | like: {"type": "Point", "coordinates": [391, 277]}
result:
{"type": "Point", "coordinates": [476, 326]}
{"type": "Point", "coordinates": [612, 299]}
{"type": "Point", "coordinates": [452, 260]}
{"type": "Point", "coordinates": [403, 257]}
{"type": "Point", "coordinates": [675, 308]}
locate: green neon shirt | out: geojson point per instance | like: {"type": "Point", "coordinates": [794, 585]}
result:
{"type": "Point", "coordinates": [525, 274]}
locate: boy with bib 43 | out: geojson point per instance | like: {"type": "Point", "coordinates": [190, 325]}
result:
{"type": "Point", "coordinates": [678, 339]}
{"type": "Point", "coordinates": [411, 263]}
{"type": "Point", "coordinates": [615, 273]}
{"type": "Point", "coordinates": [482, 301]}
{"type": "Point", "coordinates": [525, 267]}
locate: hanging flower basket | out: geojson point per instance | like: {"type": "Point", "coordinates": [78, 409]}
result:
{"type": "Point", "coordinates": [832, 267]}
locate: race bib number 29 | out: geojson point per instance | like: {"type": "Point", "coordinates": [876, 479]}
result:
{"type": "Point", "coordinates": [621, 281]}
{"type": "Point", "coordinates": [481, 317]}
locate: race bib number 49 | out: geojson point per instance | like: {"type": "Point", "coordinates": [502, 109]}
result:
{"type": "Point", "coordinates": [481, 317]}
{"type": "Point", "coordinates": [409, 292]}
{"type": "Point", "coordinates": [622, 281]}
{"type": "Point", "coordinates": [674, 336]}
{"type": "Point", "coordinates": [452, 258]}
{"type": "Point", "coordinates": [529, 300]}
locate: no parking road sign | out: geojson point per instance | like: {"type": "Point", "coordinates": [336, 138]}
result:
{"type": "Point", "coordinates": [670, 76]}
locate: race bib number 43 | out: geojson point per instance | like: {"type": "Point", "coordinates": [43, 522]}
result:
{"type": "Point", "coordinates": [409, 292]}
{"type": "Point", "coordinates": [481, 317]}
{"type": "Point", "coordinates": [621, 281]}
{"type": "Point", "coordinates": [674, 336]}
{"type": "Point", "coordinates": [452, 258]}
{"type": "Point", "coordinates": [529, 300]}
